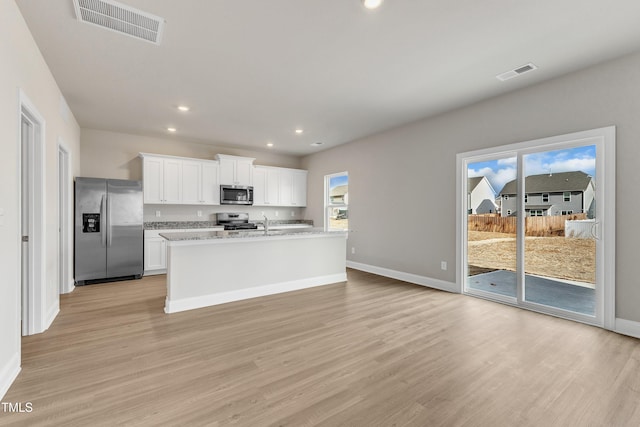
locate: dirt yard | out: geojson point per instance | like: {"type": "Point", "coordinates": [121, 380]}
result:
{"type": "Point", "coordinates": [572, 259]}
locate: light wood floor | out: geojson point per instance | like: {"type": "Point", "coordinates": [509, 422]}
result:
{"type": "Point", "coordinates": [373, 352]}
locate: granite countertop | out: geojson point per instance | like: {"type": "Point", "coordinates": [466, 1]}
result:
{"type": "Point", "coordinates": [184, 225]}
{"type": "Point", "coordinates": [234, 234]}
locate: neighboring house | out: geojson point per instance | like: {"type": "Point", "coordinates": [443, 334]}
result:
{"type": "Point", "coordinates": [480, 196]}
{"type": "Point", "coordinates": [339, 194]}
{"type": "Point", "coordinates": [550, 194]}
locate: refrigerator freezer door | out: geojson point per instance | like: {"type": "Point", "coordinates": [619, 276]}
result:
{"type": "Point", "coordinates": [90, 230]}
{"type": "Point", "coordinates": [125, 234]}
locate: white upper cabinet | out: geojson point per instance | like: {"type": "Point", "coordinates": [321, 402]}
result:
{"type": "Point", "coordinates": [299, 197]}
{"type": "Point", "coordinates": [181, 180]}
{"type": "Point", "coordinates": [286, 188]}
{"type": "Point", "coordinates": [191, 182]}
{"type": "Point", "coordinates": [235, 170]}
{"type": "Point", "coordinates": [266, 186]}
{"type": "Point", "coordinates": [210, 183]}
{"type": "Point", "coordinates": [259, 186]}
{"type": "Point", "coordinates": [176, 180]}
{"type": "Point", "coordinates": [153, 178]}
{"type": "Point", "coordinates": [274, 186]}
{"type": "Point", "coordinates": [162, 180]}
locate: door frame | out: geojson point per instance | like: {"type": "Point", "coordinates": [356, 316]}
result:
{"type": "Point", "coordinates": [36, 295]}
{"type": "Point", "coordinates": [604, 138]}
{"type": "Point", "coordinates": [65, 218]}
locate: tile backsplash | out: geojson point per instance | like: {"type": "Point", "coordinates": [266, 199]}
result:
{"type": "Point", "coordinates": [208, 213]}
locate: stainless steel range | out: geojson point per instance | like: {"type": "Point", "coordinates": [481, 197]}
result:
{"type": "Point", "coordinates": [235, 221]}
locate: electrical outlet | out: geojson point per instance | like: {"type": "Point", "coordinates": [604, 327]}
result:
{"type": "Point", "coordinates": [443, 265]}
{"type": "Point", "coordinates": [353, 249]}
{"type": "Point", "coordinates": [157, 214]}
{"type": "Point", "coordinates": [199, 213]}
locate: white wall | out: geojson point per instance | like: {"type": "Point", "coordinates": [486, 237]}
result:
{"type": "Point", "coordinates": [409, 173]}
{"type": "Point", "coordinates": [24, 68]}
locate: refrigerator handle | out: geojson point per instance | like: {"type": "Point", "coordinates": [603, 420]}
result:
{"type": "Point", "coordinates": [109, 227]}
{"type": "Point", "coordinates": [103, 232]}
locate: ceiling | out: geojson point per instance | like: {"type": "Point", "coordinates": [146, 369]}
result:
{"type": "Point", "coordinates": [253, 71]}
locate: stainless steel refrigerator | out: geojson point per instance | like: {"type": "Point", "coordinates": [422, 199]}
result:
{"type": "Point", "coordinates": [109, 231]}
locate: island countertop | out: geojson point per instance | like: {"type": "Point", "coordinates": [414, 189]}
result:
{"type": "Point", "coordinates": [215, 267]}
{"type": "Point", "coordinates": [191, 237]}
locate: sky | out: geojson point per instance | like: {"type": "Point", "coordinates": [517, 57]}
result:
{"type": "Point", "coordinates": [334, 181]}
{"type": "Point", "coordinates": [501, 171]}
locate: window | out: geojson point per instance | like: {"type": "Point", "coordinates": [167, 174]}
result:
{"type": "Point", "coordinates": [505, 196]}
{"type": "Point", "coordinates": [526, 198]}
{"type": "Point", "coordinates": [336, 187]}
{"type": "Point", "coordinates": [536, 212]}
{"type": "Point", "coordinates": [545, 197]}
{"type": "Point", "coordinates": [566, 196]}
{"type": "Point", "coordinates": [569, 212]}
{"type": "Point", "coordinates": [508, 212]}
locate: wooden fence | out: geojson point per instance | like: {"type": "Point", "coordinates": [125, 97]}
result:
{"type": "Point", "coordinates": [534, 225]}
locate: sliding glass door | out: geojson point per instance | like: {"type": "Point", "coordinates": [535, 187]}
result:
{"type": "Point", "coordinates": [560, 229]}
{"type": "Point", "coordinates": [536, 225]}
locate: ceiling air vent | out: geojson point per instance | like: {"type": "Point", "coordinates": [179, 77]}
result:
{"type": "Point", "coordinates": [120, 18]}
{"type": "Point", "coordinates": [516, 72]}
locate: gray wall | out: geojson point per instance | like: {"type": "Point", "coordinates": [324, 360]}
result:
{"type": "Point", "coordinates": [115, 155]}
{"type": "Point", "coordinates": [108, 154]}
{"type": "Point", "coordinates": [407, 175]}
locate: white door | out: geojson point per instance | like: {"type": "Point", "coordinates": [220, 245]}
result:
{"type": "Point", "coordinates": [527, 254]}
{"type": "Point", "coordinates": [210, 183]}
{"type": "Point", "coordinates": [153, 179]}
{"type": "Point", "coordinates": [27, 138]}
{"type": "Point", "coordinates": [191, 182]}
{"type": "Point", "coordinates": [172, 181]}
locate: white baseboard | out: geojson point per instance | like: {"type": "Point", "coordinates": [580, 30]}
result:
{"type": "Point", "coordinates": [9, 373]}
{"type": "Point", "coordinates": [627, 327]}
{"type": "Point", "coordinates": [51, 315]}
{"type": "Point", "coordinates": [155, 272]}
{"type": "Point", "coordinates": [71, 286]}
{"type": "Point", "coordinates": [259, 291]}
{"type": "Point", "coordinates": [405, 277]}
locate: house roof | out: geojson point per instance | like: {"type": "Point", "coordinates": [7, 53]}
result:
{"type": "Point", "coordinates": [338, 191]}
{"type": "Point", "coordinates": [472, 183]}
{"type": "Point", "coordinates": [551, 183]}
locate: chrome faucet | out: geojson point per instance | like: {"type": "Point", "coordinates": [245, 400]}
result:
{"type": "Point", "coordinates": [266, 224]}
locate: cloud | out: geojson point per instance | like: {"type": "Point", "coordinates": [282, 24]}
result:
{"type": "Point", "coordinates": [540, 166]}
{"type": "Point", "coordinates": [497, 178]}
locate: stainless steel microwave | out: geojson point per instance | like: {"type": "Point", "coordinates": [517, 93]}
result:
{"type": "Point", "coordinates": [236, 195]}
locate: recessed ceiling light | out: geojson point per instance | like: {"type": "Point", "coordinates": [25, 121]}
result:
{"type": "Point", "coordinates": [299, 131]}
{"type": "Point", "coordinates": [371, 4]}
{"type": "Point", "coordinates": [170, 129]}
{"type": "Point", "coordinates": [183, 108]}
{"type": "Point", "coordinates": [269, 144]}
{"type": "Point", "coordinates": [316, 144]}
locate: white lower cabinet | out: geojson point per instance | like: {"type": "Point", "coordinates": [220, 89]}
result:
{"type": "Point", "coordinates": [155, 249]}
{"type": "Point", "coordinates": [155, 252]}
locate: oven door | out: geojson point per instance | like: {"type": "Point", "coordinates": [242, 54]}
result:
{"type": "Point", "coordinates": [236, 195]}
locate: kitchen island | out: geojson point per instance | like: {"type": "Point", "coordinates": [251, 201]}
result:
{"type": "Point", "coordinates": [216, 267]}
